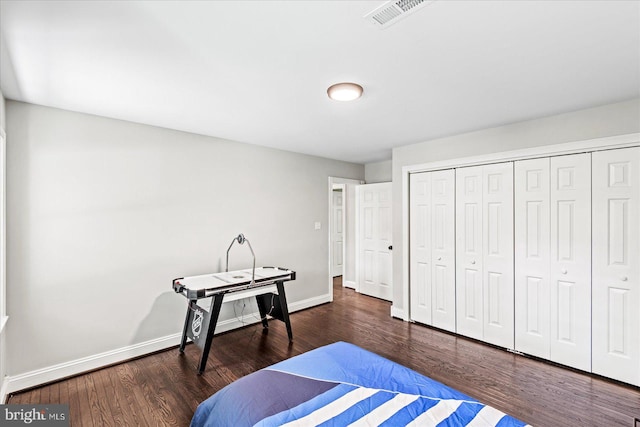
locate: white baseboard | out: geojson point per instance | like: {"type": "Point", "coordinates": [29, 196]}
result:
{"type": "Point", "coordinates": [3, 391]}
{"type": "Point", "coordinates": [3, 321]}
{"type": "Point", "coordinates": [19, 382]}
{"type": "Point", "coordinates": [398, 313]}
{"type": "Point", "coordinates": [74, 367]}
{"type": "Point", "coordinates": [308, 303]}
{"type": "Point", "coordinates": [349, 284]}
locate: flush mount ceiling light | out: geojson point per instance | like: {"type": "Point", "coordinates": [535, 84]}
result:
{"type": "Point", "coordinates": [344, 91]}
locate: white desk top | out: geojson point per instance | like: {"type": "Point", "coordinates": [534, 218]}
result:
{"type": "Point", "coordinates": [239, 279]}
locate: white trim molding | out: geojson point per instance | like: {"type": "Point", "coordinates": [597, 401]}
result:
{"type": "Point", "coordinates": [4, 386]}
{"type": "Point", "coordinates": [3, 262]}
{"type": "Point", "coordinates": [49, 374]}
{"type": "Point", "coordinates": [398, 313]}
{"type": "Point", "coordinates": [85, 364]}
{"type": "Point", "coordinates": [586, 146]}
{"type": "Point", "coordinates": [349, 284]}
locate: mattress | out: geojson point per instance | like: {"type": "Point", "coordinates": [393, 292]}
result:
{"type": "Point", "coordinates": [339, 385]}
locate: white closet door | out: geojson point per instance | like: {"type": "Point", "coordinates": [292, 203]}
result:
{"type": "Point", "coordinates": [498, 254]}
{"type": "Point", "coordinates": [616, 259]}
{"type": "Point", "coordinates": [432, 245]}
{"type": "Point", "coordinates": [469, 306]}
{"type": "Point", "coordinates": [484, 253]}
{"type": "Point", "coordinates": [443, 252]}
{"type": "Point", "coordinates": [570, 266]}
{"type": "Point", "coordinates": [375, 274]}
{"type": "Point", "coordinates": [420, 246]}
{"type": "Point", "coordinates": [532, 247]}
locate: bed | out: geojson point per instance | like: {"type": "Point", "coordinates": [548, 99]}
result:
{"type": "Point", "coordinates": [338, 385]}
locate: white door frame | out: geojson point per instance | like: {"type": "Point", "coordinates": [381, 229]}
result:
{"type": "Point", "coordinates": [332, 224]}
{"type": "Point", "coordinates": [336, 182]}
{"type": "Point", "coordinates": [618, 141]}
{"type": "Point", "coordinates": [3, 260]}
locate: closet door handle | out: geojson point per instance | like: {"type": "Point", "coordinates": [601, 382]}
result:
{"type": "Point", "coordinates": [439, 258]}
{"type": "Point", "coordinates": [624, 278]}
{"type": "Point", "coordinates": [563, 271]}
{"type": "Point", "coordinates": [473, 261]}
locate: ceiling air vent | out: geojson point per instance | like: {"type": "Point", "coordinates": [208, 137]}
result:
{"type": "Point", "coordinates": [392, 11]}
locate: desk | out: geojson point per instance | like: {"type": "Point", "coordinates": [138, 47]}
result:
{"type": "Point", "coordinates": [265, 283]}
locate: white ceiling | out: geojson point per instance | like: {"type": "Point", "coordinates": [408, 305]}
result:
{"type": "Point", "coordinates": [257, 71]}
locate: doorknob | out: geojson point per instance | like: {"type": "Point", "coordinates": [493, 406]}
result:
{"type": "Point", "coordinates": [390, 248]}
{"type": "Point", "coordinates": [473, 262]}
{"type": "Point", "coordinates": [563, 271]}
{"type": "Point", "coordinates": [624, 278]}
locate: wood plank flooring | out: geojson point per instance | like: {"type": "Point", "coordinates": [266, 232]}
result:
{"type": "Point", "coordinates": [163, 388]}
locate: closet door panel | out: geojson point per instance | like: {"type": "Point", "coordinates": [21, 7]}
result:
{"type": "Point", "coordinates": [570, 265]}
{"type": "Point", "coordinates": [420, 247]}
{"type": "Point", "coordinates": [469, 271]}
{"type": "Point", "coordinates": [532, 257]}
{"type": "Point", "coordinates": [443, 250]}
{"type": "Point", "coordinates": [498, 254]}
{"type": "Point", "coordinates": [616, 273]}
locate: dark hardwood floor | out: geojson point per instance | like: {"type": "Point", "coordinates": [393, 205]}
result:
{"type": "Point", "coordinates": [163, 388]}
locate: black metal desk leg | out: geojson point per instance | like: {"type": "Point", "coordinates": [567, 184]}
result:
{"type": "Point", "coordinates": [183, 342]}
{"type": "Point", "coordinates": [213, 319]}
{"type": "Point", "coordinates": [285, 309]}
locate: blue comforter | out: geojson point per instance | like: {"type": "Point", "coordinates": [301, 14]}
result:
{"type": "Point", "coordinates": [338, 385]}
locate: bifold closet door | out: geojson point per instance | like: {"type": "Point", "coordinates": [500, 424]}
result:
{"type": "Point", "coordinates": [553, 259]}
{"type": "Point", "coordinates": [616, 269]}
{"type": "Point", "coordinates": [570, 261]}
{"type": "Point", "coordinates": [469, 271]}
{"type": "Point", "coordinates": [532, 253]}
{"type": "Point", "coordinates": [484, 253]}
{"type": "Point", "coordinates": [432, 248]}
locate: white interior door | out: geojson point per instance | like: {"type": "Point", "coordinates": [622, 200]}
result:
{"type": "Point", "coordinates": [532, 232]}
{"type": "Point", "coordinates": [432, 246]}
{"type": "Point", "coordinates": [570, 266]}
{"type": "Point", "coordinates": [337, 239]}
{"type": "Point", "coordinates": [443, 252]}
{"type": "Point", "coordinates": [469, 272]}
{"type": "Point", "coordinates": [616, 269]}
{"type": "Point", "coordinates": [374, 239]}
{"type": "Point", "coordinates": [498, 254]}
{"type": "Point", "coordinates": [420, 247]}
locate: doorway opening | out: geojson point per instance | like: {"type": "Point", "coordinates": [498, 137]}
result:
{"type": "Point", "coordinates": [342, 232]}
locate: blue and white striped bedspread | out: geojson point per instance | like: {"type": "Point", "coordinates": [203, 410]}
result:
{"type": "Point", "coordinates": [339, 385]}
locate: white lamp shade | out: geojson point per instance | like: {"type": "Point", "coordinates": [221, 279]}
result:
{"type": "Point", "coordinates": [345, 91]}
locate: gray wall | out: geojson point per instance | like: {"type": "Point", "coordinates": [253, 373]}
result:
{"type": "Point", "coordinates": [609, 120]}
{"type": "Point", "coordinates": [103, 214]}
{"type": "Point", "coordinates": [378, 172]}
